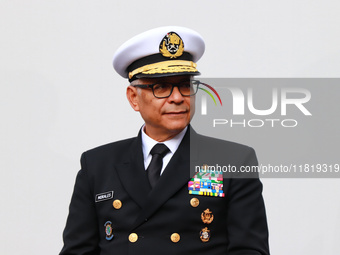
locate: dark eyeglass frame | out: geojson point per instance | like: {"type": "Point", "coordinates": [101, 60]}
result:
{"type": "Point", "coordinates": [194, 82]}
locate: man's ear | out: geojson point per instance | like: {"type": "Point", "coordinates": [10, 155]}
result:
{"type": "Point", "coordinates": [132, 96]}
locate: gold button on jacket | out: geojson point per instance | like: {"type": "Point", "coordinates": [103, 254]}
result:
{"type": "Point", "coordinates": [175, 237]}
{"type": "Point", "coordinates": [117, 204]}
{"type": "Point", "coordinates": [133, 237]}
{"type": "Point", "coordinates": [194, 202]}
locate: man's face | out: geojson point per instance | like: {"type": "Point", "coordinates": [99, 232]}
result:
{"type": "Point", "coordinates": [164, 117]}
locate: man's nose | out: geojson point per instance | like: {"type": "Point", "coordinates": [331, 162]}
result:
{"type": "Point", "coordinates": [176, 96]}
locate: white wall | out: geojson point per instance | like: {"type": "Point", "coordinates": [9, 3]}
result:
{"type": "Point", "coordinates": [60, 97]}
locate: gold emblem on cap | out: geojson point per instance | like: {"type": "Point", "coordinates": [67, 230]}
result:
{"type": "Point", "coordinates": [133, 237]}
{"type": "Point", "coordinates": [194, 202]}
{"type": "Point", "coordinates": [171, 46]}
{"type": "Point", "coordinates": [207, 216]}
{"type": "Point", "coordinates": [205, 235]}
{"type": "Point", "coordinates": [117, 204]}
{"type": "Point", "coordinates": [175, 237]}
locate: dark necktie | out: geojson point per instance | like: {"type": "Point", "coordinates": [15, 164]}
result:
{"type": "Point", "coordinates": [154, 169]}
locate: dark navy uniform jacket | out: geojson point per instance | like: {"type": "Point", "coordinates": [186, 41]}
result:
{"type": "Point", "coordinates": [148, 218]}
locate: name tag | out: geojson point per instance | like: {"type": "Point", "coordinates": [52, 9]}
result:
{"type": "Point", "coordinates": [104, 196]}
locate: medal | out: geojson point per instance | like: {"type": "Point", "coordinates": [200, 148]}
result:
{"type": "Point", "coordinates": [205, 235]}
{"type": "Point", "coordinates": [207, 216]}
{"type": "Point", "coordinates": [108, 230]}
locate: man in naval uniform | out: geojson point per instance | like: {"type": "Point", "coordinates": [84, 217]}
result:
{"type": "Point", "coordinates": [134, 196]}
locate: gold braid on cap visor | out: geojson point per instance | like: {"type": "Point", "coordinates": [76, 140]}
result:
{"type": "Point", "coordinates": [171, 66]}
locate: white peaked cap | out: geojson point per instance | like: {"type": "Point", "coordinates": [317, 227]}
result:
{"type": "Point", "coordinates": [163, 51]}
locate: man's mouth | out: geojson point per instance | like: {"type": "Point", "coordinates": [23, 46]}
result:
{"type": "Point", "coordinates": [177, 112]}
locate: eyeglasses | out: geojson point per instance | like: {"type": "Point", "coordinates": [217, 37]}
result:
{"type": "Point", "coordinates": [164, 89]}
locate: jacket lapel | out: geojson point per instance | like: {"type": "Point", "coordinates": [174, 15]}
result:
{"type": "Point", "coordinates": [133, 175]}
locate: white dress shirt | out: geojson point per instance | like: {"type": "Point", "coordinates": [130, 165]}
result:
{"type": "Point", "coordinates": [148, 143]}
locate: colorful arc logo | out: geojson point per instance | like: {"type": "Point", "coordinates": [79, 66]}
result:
{"type": "Point", "coordinates": [210, 94]}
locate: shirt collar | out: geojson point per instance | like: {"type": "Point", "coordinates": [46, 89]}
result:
{"type": "Point", "coordinates": [148, 143]}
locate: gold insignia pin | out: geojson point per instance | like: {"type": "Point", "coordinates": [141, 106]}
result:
{"type": "Point", "coordinates": [207, 216]}
{"type": "Point", "coordinates": [205, 235]}
{"type": "Point", "coordinates": [171, 46]}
